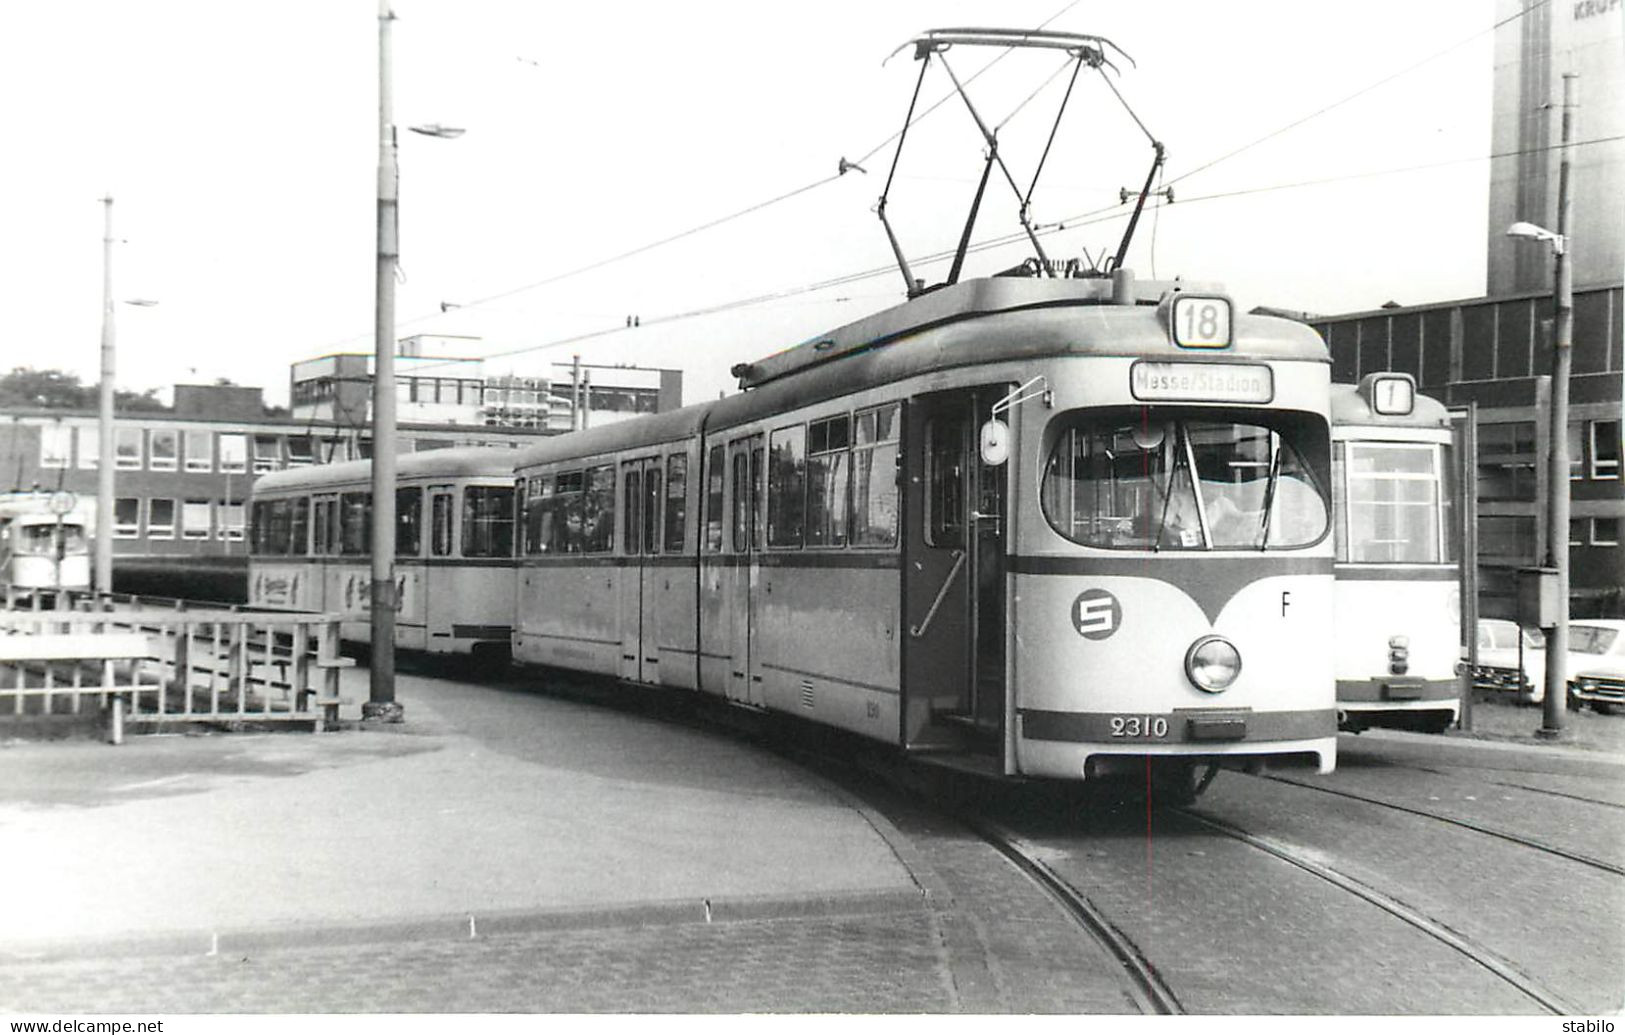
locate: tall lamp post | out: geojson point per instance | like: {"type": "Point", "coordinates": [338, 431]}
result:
{"type": "Point", "coordinates": [384, 600]}
{"type": "Point", "coordinates": [103, 582]}
{"type": "Point", "coordinates": [1557, 480]}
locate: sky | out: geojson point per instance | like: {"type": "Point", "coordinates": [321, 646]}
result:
{"type": "Point", "coordinates": [1323, 157]}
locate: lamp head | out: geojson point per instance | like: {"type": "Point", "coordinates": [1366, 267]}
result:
{"type": "Point", "coordinates": [1538, 233]}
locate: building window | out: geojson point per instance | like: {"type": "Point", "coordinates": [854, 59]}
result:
{"type": "Point", "coordinates": [301, 451]}
{"type": "Point", "coordinates": [1577, 531]}
{"type": "Point", "coordinates": [164, 449]}
{"type": "Point", "coordinates": [1605, 447]}
{"type": "Point", "coordinates": [231, 521]}
{"type": "Point", "coordinates": [233, 452]}
{"type": "Point", "coordinates": [195, 523]}
{"type": "Point", "coordinates": [160, 519]}
{"type": "Point", "coordinates": [1506, 461]}
{"type": "Point", "coordinates": [127, 448]}
{"type": "Point", "coordinates": [126, 518]}
{"type": "Point", "coordinates": [267, 453]}
{"type": "Point", "coordinates": [1577, 453]}
{"type": "Point", "coordinates": [88, 444]}
{"type": "Point", "coordinates": [199, 451]}
{"type": "Point", "coordinates": [55, 445]}
{"type": "Point", "coordinates": [1605, 531]}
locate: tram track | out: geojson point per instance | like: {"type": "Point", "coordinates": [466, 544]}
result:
{"type": "Point", "coordinates": [1481, 828]}
{"type": "Point", "coordinates": [1478, 954]}
{"type": "Point", "coordinates": [1145, 984]}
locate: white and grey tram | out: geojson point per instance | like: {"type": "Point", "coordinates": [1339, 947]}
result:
{"type": "Point", "coordinates": [1398, 557]}
{"type": "Point", "coordinates": [1057, 528]}
{"type": "Point", "coordinates": [310, 544]}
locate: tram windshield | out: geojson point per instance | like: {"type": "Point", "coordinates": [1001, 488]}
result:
{"type": "Point", "coordinates": [41, 539]}
{"type": "Point", "coordinates": [1142, 482]}
{"type": "Point", "coordinates": [1393, 503]}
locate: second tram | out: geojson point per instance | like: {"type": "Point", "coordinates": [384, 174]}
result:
{"type": "Point", "coordinates": [1398, 557]}
{"type": "Point", "coordinates": [310, 542]}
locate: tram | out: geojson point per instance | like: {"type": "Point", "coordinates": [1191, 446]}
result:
{"type": "Point", "coordinates": [45, 542]}
{"type": "Point", "coordinates": [310, 545]}
{"type": "Point", "coordinates": [1398, 571]}
{"type": "Point", "coordinates": [1057, 527]}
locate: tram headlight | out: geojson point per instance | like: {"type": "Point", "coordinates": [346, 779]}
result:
{"type": "Point", "coordinates": [1212, 664]}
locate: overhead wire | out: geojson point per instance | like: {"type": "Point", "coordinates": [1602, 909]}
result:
{"type": "Point", "coordinates": [1103, 214]}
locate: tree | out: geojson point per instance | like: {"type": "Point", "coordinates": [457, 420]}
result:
{"type": "Point", "coordinates": [27, 388]}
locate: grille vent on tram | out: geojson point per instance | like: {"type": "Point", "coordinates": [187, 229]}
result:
{"type": "Point", "coordinates": [806, 693]}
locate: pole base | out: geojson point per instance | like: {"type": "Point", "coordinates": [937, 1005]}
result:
{"type": "Point", "coordinates": [382, 711]}
{"type": "Point", "coordinates": [1547, 733]}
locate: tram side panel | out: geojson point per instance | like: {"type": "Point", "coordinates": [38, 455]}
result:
{"type": "Point", "coordinates": [827, 640]}
{"type": "Point", "coordinates": [1407, 629]}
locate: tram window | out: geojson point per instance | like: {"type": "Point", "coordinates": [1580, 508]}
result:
{"type": "Point", "coordinates": [786, 486]}
{"type": "Point", "coordinates": [633, 527]}
{"type": "Point", "coordinates": [874, 477]}
{"type": "Point", "coordinates": [829, 445]}
{"type": "Point", "coordinates": [408, 522]}
{"type": "Point", "coordinates": [945, 482]}
{"type": "Point", "coordinates": [440, 524]}
{"type": "Point", "coordinates": [488, 521]}
{"type": "Point", "coordinates": [676, 501]}
{"type": "Point", "coordinates": [651, 508]}
{"type": "Point", "coordinates": [598, 510]}
{"type": "Point", "coordinates": [741, 503]}
{"type": "Point", "coordinates": [566, 513]}
{"type": "Point", "coordinates": [715, 475]}
{"type": "Point", "coordinates": [1144, 481]}
{"type": "Point", "coordinates": [1394, 503]}
{"type": "Point", "coordinates": [758, 488]}
{"type": "Point", "coordinates": [355, 523]}
{"type": "Point", "coordinates": [321, 533]}
{"type": "Point", "coordinates": [268, 529]}
{"type": "Point", "coordinates": [539, 501]}
{"type": "Point", "coordinates": [298, 526]}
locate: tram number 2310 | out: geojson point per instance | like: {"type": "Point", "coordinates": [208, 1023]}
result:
{"type": "Point", "coordinates": [1141, 727]}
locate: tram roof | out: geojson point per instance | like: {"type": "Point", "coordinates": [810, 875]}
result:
{"type": "Point", "coordinates": [990, 296]}
{"type": "Point", "coordinates": [1351, 407]}
{"type": "Point", "coordinates": [943, 330]}
{"type": "Point", "coordinates": [466, 462]}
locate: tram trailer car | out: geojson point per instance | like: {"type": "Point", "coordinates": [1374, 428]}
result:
{"type": "Point", "coordinates": [45, 541]}
{"type": "Point", "coordinates": [310, 546]}
{"type": "Point", "coordinates": [1398, 557]}
{"type": "Point", "coordinates": [1056, 528]}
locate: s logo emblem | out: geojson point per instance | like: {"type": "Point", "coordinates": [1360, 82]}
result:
{"type": "Point", "coordinates": [1096, 614]}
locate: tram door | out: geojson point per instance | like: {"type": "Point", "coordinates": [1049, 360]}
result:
{"type": "Point", "coordinates": [742, 576]}
{"type": "Point", "coordinates": [640, 507]}
{"type": "Point", "coordinates": [954, 575]}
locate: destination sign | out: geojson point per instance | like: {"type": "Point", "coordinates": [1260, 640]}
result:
{"type": "Point", "coordinates": [1201, 382]}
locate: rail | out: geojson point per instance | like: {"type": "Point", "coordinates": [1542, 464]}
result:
{"type": "Point", "coordinates": [167, 666]}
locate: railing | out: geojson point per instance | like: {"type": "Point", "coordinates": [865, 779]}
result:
{"type": "Point", "coordinates": [177, 665]}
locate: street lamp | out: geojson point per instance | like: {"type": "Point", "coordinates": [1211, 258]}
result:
{"type": "Point", "coordinates": [1555, 614]}
{"type": "Point", "coordinates": [383, 599]}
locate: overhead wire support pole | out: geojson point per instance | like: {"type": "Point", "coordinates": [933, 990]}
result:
{"type": "Point", "coordinates": [104, 424]}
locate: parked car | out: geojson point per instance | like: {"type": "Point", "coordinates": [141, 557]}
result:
{"type": "Point", "coordinates": [1597, 664]}
{"type": "Point", "coordinates": [1514, 661]}
{"type": "Point", "coordinates": [1509, 662]}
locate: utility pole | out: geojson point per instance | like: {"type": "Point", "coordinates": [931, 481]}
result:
{"type": "Point", "coordinates": [1557, 537]}
{"type": "Point", "coordinates": [381, 704]}
{"type": "Point", "coordinates": [104, 427]}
